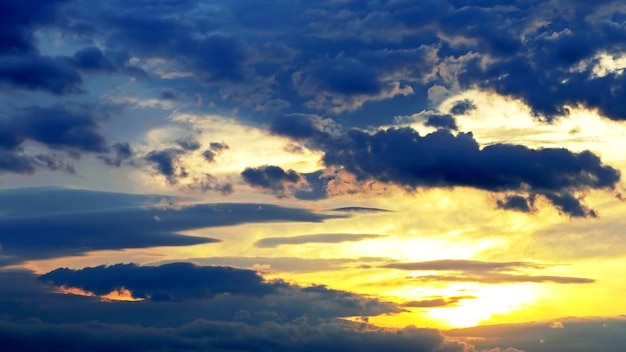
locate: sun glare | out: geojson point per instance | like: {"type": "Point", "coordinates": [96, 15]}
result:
{"type": "Point", "coordinates": [489, 301]}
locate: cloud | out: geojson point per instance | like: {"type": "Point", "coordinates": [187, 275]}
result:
{"type": "Point", "coordinates": [203, 335]}
{"type": "Point", "coordinates": [516, 202]}
{"type": "Point", "coordinates": [280, 317]}
{"type": "Point", "coordinates": [165, 162]}
{"type": "Point", "coordinates": [462, 107]}
{"type": "Point", "coordinates": [464, 265]}
{"type": "Point", "coordinates": [441, 121]}
{"type": "Point", "coordinates": [46, 230]}
{"type": "Point", "coordinates": [169, 162]}
{"type": "Point", "coordinates": [188, 144]}
{"type": "Point", "coordinates": [119, 152]}
{"type": "Point", "coordinates": [286, 264]}
{"type": "Point", "coordinates": [498, 278]}
{"type": "Point", "coordinates": [215, 148]}
{"type": "Point", "coordinates": [272, 178]}
{"type": "Point", "coordinates": [435, 160]}
{"type": "Point", "coordinates": [579, 334]}
{"type": "Point", "coordinates": [437, 302]}
{"type": "Point", "coordinates": [34, 72]}
{"type": "Point", "coordinates": [360, 210]}
{"type": "Point", "coordinates": [92, 59]}
{"type": "Point", "coordinates": [21, 20]}
{"type": "Point", "coordinates": [483, 272]}
{"type": "Point", "coordinates": [272, 242]}
{"type": "Point", "coordinates": [60, 127]}
{"type": "Point", "coordinates": [176, 281]}
{"type": "Point", "coordinates": [66, 130]}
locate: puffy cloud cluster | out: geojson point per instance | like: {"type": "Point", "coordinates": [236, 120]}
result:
{"type": "Point", "coordinates": [441, 159]}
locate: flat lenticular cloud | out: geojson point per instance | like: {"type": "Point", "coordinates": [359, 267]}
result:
{"type": "Point", "coordinates": [271, 242]}
{"type": "Point", "coordinates": [484, 272]}
{"type": "Point", "coordinates": [498, 278]}
{"type": "Point", "coordinates": [119, 221]}
{"type": "Point", "coordinates": [437, 302]}
{"type": "Point", "coordinates": [464, 265]}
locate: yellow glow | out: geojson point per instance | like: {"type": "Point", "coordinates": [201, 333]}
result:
{"type": "Point", "coordinates": [74, 291]}
{"type": "Point", "coordinates": [490, 300]}
{"type": "Point", "coordinates": [121, 294]}
{"type": "Point", "coordinates": [498, 119]}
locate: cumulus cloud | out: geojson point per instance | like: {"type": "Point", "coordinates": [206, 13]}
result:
{"type": "Point", "coordinates": [66, 130]}
{"type": "Point", "coordinates": [273, 178]}
{"type": "Point", "coordinates": [442, 159]}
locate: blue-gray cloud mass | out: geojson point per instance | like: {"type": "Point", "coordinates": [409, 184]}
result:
{"type": "Point", "coordinates": [52, 223]}
{"type": "Point", "coordinates": [91, 81]}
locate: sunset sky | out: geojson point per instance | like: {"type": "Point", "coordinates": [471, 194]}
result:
{"type": "Point", "coordinates": [338, 175]}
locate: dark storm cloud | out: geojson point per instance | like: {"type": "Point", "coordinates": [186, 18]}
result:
{"type": "Point", "coordinates": [175, 282]}
{"type": "Point", "coordinates": [203, 335]}
{"type": "Point", "coordinates": [339, 55]}
{"type": "Point", "coordinates": [446, 122]}
{"type": "Point", "coordinates": [214, 57]}
{"type": "Point", "coordinates": [299, 126]}
{"type": "Point", "coordinates": [566, 334]}
{"type": "Point", "coordinates": [272, 178]}
{"type": "Point", "coordinates": [20, 20]}
{"type": "Point", "coordinates": [34, 72]}
{"type": "Point", "coordinates": [92, 59]}
{"type": "Point", "coordinates": [41, 229]}
{"type": "Point", "coordinates": [343, 76]}
{"type": "Point", "coordinates": [441, 159]}
{"type": "Point", "coordinates": [542, 69]}
{"type": "Point", "coordinates": [225, 293]}
{"type": "Point", "coordinates": [272, 242]}
{"type": "Point", "coordinates": [254, 315]}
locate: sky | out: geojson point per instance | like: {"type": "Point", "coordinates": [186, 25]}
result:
{"type": "Point", "coordinates": [332, 175]}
